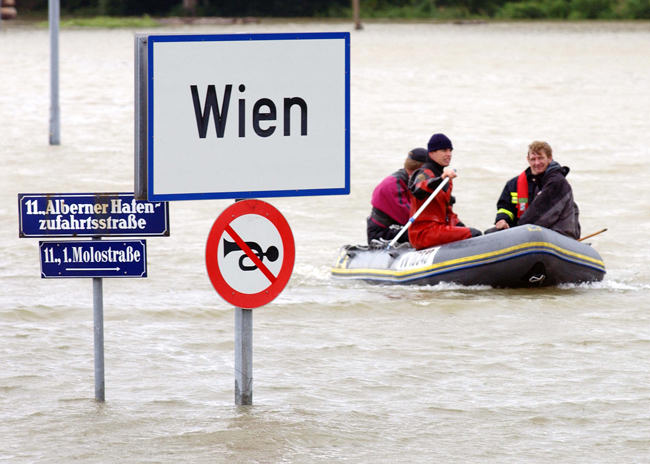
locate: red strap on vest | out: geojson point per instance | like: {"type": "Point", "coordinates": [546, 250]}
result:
{"type": "Point", "coordinates": [522, 194]}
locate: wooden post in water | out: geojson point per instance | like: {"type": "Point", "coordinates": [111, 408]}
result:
{"type": "Point", "coordinates": [356, 13]}
{"type": "Point", "coordinates": [190, 7]}
{"type": "Point", "coordinates": [243, 357]}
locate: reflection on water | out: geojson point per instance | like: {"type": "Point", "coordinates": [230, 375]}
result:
{"type": "Point", "coordinates": [343, 370]}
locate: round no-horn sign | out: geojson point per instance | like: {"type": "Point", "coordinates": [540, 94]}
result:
{"type": "Point", "coordinates": [250, 253]}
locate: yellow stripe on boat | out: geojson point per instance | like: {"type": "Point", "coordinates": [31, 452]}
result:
{"type": "Point", "coordinates": [482, 258]}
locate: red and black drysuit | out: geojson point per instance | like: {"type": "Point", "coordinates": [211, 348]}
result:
{"type": "Point", "coordinates": [437, 224]}
{"type": "Point", "coordinates": [545, 200]}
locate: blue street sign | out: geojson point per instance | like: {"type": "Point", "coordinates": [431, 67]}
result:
{"type": "Point", "coordinates": [90, 215]}
{"type": "Point", "coordinates": [93, 258]}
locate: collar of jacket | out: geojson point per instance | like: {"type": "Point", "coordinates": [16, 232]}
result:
{"type": "Point", "coordinates": [553, 166]}
{"type": "Point", "coordinates": [401, 174]}
{"type": "Point", "coordinates": [433, 166]}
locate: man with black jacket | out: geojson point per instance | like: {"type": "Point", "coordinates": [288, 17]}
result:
{"type": "Point", "coordinates": [540, 195]}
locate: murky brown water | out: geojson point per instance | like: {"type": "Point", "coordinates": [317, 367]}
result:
{"type": "Point", "coordinates": [343, 371]}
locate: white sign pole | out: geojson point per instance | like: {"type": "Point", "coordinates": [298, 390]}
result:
{"type": "Point", "coordinates": [98, 336]}
{"type": "Point", "coordinates": [249, 257]}
{"type": "Point", "coordinates": [55, 125]}
{"type": "Point", "coordinates": [243, 357]}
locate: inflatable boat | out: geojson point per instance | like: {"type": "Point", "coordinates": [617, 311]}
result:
{"type": "Point", "coordinates": [523, 256]}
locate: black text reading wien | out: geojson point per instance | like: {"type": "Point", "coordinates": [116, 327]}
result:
{"type": "Point", "coordinates": [264, 111]}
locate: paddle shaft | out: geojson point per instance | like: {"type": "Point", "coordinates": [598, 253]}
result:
{"type": "Point", "coordinates": [417, 213]}
{"type": "Point", "coordinates": [591, 235]}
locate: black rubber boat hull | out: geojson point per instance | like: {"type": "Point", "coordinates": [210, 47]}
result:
{"type": "Point", "coordinates": [524, 256]}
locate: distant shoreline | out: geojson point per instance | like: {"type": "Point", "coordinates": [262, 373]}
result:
{"type": "Point", "coordinates": [40, 20]}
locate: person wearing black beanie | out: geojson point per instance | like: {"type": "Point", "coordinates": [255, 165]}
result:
{"type": "Point", "coordinates": [437, 224]}
{"type": "Point", "coordinates": [439, 142]}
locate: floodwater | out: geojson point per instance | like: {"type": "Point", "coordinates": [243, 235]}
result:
{"type": "Point", "coordinates": [343, 372]}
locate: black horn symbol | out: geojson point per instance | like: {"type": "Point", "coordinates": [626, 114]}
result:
{"type": "Point", "coordinates": [271, 253]}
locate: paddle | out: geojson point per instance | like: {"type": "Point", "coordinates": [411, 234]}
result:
{"type": "Point", "coordinates": [417, 213]}
{"type": "Point", "coordinates": [591, 235]}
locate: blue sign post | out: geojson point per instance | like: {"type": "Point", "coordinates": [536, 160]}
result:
{"type": "Point", "coordinates": [93, 215]}
{"type": "Point", "coordinates": [96, 258]}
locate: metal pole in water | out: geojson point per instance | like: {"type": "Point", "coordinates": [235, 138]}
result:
{"type": "Point", "coordinates": [55, 125]}
{"type": "Point", "coordinates": [243, 356]}
{"type": "Point", "coordinates": [98, 326]}
{"type": "Point", "coordinates": [98, 331]}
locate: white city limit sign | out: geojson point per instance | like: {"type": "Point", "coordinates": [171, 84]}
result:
{"type": "Point", "coordinates": [246, 116]}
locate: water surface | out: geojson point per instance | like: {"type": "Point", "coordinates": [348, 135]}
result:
{"type": "Point", "coordinates": [343, 371]}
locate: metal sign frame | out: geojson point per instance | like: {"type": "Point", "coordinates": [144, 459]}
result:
{"type": "Point", "coordinates": [180, 186]}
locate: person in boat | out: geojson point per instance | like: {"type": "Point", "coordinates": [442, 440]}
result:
{"type": "Point", "coordinates": [391, 200]}
{"type": "Point", "coordinates": [437, 224]}
{"type": "Point", "coordinates": [540, 195]}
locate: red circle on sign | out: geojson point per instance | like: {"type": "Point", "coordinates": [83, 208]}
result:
{"type": "Point", "coordinates": [277, 283]}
